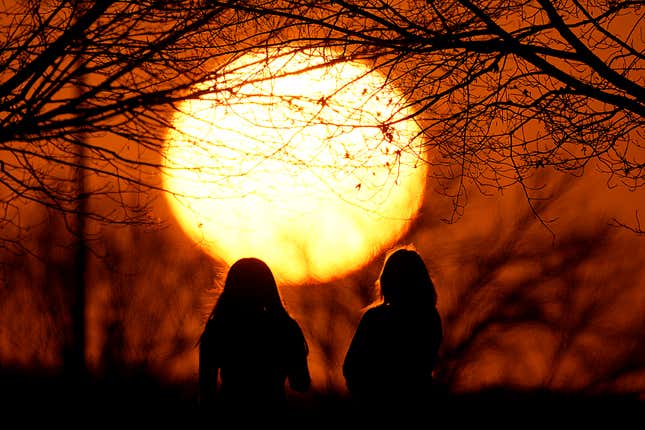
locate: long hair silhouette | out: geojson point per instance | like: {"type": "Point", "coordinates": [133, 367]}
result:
{"type": "Point", "coordinates": [405, 281]}
{"type": "Point", "coordinates": [250, 287]}
{"type": "Point", "coordinates": [252, 344]}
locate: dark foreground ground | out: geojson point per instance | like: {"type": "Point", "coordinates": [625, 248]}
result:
{"type": "Point", "coordinates": [27, 400]}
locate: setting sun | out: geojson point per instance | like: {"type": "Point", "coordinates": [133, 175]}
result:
{"type": "Point", "coordinates": [306, 163]}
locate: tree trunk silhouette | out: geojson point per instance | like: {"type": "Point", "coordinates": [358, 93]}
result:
{"type": "Point", "coordinates": [75, 361]}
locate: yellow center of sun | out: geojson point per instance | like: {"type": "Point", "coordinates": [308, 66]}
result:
{"type": "Point", "coordinates": [308, 166]}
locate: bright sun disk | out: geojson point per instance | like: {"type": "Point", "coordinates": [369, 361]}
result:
{"type": "Point", "coordinates": [306, 166]}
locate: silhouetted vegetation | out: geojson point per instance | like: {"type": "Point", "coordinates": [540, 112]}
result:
{"type": "Point", "coordinates": [501, 90]}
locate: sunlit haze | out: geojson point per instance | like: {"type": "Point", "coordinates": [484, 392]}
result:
{"type": "Point", "coordinates": [311, 169]}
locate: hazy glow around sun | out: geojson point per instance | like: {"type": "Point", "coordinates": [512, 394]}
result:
{"type": "Point", "coordinates": [307, 168]}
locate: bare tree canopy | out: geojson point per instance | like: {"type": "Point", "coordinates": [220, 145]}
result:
{"type": "Point", "coordinates": [500, 89]}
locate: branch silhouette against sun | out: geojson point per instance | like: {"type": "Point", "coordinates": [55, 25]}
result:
{"type": "Point", "coordinates": [107, 70]}
{"type": "Point", "coordinates": [500, 90]}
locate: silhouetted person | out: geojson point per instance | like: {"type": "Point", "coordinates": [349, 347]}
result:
{"type": "Point", "coordinates": [254, 344]}
{"type": "Point", "coordinates": [389, 365]}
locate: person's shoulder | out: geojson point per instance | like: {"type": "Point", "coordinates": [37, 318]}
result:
{"type": "Point", "coordinates": [435, 314]}
{"type": "Point", "coordinates": [290, 323]}
{"type": "Point", "coordinates": [376, 312]}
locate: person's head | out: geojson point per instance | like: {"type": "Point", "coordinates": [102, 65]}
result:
{"type": "Point", "coordinates": [250, 285]}
{"type": "Point", "coordinates": [405, 279]}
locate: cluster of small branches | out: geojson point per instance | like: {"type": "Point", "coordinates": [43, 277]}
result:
{"type": "Point", "coordinates": [500, 89]}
